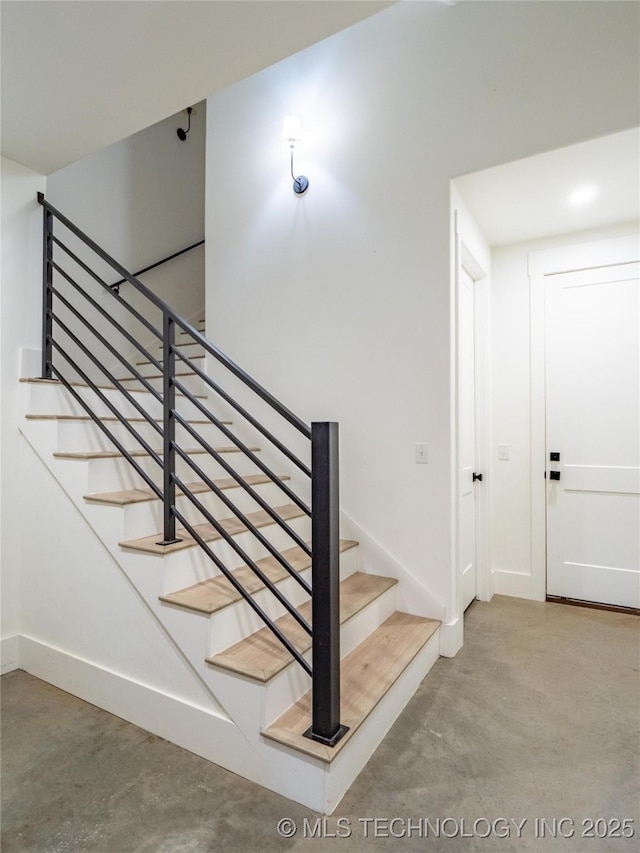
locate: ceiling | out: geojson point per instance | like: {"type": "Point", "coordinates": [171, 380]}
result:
{"type": "Point", "coordinates": [77, 76]}
{"type": "Point", "coordinates": [529, 199]}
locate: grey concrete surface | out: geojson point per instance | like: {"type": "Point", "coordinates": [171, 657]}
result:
{"type": "Point", "coordinates": [538, 717]}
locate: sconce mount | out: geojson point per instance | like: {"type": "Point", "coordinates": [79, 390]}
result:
{"type": "Point", "coordinates": [292, 138]}
{"type": "Point", "coordinates": [301, 183]}
{"type": "Point", "coordinates": [182, 134]}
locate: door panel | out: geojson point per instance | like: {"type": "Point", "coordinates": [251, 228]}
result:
{"type": "Point", "coordinates": [467, 432]}
{"type": "Point", "coordinates": [593, 421]}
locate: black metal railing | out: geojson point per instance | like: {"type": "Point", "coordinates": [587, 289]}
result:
{"type": "Point", "coordinates": [68, 357]}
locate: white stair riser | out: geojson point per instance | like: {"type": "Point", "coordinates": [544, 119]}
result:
{"type": "Point", "coordinates": [181, 366]}
{"type": "Point", "coordinates": [190, 381]}
{"type": "Point", "coordinates": [142, 518]}
{"type": "Point", "coordinates": [113, 474]}
{"type": "Point", "coordinates": [184, 568]}
{"type": "Point", "coordinates": [54, 399]}
{"type": "Point", "coordinates": [232, 624]}
{"type": "Point", "coordinates": [289, 685]}
{"type": "Point", "coordinates": [86, 435]}
{"type": "Point", "coordinates": [189, 349]}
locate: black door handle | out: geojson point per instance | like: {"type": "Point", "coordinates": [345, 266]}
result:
{"type": "Point", "coordinates": [477, 477]}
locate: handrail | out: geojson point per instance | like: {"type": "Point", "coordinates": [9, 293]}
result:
{"type": "Point", "coordinates": [323, 472]}
{"type": "Point", "coordinates": [116, 285]}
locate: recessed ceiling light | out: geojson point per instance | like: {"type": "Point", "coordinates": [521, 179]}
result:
{"type": "Point", "coordinates": [582, 195]}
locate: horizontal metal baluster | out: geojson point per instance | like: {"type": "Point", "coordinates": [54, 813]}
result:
{"type": "Point", "coordinates": [245, 414]}
{"type": "Point", "coordinates": [121, 330]}
{"type": "Point", "coordinates": [256, 532]}
{"type": "Point", "coordinates": [117, 386]}
{"type": "Point", "coordinates": [249, 489]}
{"type": "Point", "coordinates": [241, 590]}
{"type": "Point", "coordinates": [249, 381]}
{"type": "Point", "coordinates": [104, 284]}
{"type": "Point", "coordinates": [243, 447]}
{"type": "Point", "coordinates": [105, 256]}
{"type": "Point", "coordinates": [261, 392]}
{"type": "Point", "coordinates": [116, 382]}
{"type": "Point", "coordinates": [243, 554]}
{"type": "Point", "coordinates": [107, 432]}
{"type": "Point", "coordinates": [104, 399]}
{"type": "Point", "coordinates": [105, 343]}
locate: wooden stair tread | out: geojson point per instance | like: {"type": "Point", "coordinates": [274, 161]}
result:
{"type": "Point", "coordinates": [232, 525]}
{"type": "Point", "coordinates": [190, 357]}
{"type": "Point", "coordinates": [155, 376]}
{"type": "Point", "coordinates": [215, 593]}
{"type": "Point", "coordinates": [367, 674]}
{"type": "Point", "coordinates": [38, 381]}
{"type": "Point", "coordinates": [133, 496]}
{"type": "Point", "coordinates": [112, 454]}
{"type": "Point", "coordinates": [261, 655]}
{"type": "Point", "coordinates": [188, 344]}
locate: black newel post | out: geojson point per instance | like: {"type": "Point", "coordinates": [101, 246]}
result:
{"type": "Point", "coordinates": [168, 451]}
{"type": "Point", "coordinates": [325, 580]}
{"type": "Point", "coordinates": [47, 294]}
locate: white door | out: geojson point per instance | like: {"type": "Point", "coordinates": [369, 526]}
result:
{"type": "Point", "coordinates": [593, 421]}
{"type": "Point", "coordinates": [467, 436]}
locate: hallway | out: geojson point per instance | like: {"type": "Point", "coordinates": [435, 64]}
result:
{"type": "Point", "coordinates": [537, 717]}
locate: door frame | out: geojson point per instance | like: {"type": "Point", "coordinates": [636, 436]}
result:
{"type": "Point", "coordinates": [465, 259]}
{"type": "Point", "coordinates": [541, 264]}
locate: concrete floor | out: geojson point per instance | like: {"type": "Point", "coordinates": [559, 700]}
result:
{"type": "Point", "coordinates": [537, 717]}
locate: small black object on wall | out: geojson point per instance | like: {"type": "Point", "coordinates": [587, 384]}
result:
{"type": "Point", "coordinates": [182, 134]}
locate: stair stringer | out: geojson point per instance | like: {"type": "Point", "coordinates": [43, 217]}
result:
{"type": "Point", "coordinates": [198, 723]}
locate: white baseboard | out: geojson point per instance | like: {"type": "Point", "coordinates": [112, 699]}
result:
{"type": "Point", "coordinates": [452, 637]}
{"type": "Point", "coordinates": [194, 728]}
{"type": "Point", "coordinates": [517, 585]}
{"type": "Point", "coordinates": [10, 653]}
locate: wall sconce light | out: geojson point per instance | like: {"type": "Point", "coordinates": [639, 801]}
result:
{"type": "Point", "coordinates": [292, 138]}
{"type": "Point", "coordinates": [182, 134]}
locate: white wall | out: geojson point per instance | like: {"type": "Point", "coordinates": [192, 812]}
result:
{"type": "Point", "coordinates": [20, 311]}
{"type": "Point", "coordinates": [141, 199]}
{"type": "Point", "coordinates": [511, 510]}
{"type": "Point", "coordinates": [339, 301]}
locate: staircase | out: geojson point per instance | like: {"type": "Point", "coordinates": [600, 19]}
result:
{"type": "Point", "coordinates": [241, 625]}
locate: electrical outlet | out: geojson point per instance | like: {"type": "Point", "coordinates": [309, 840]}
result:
{"type": "Point", "coordinates": [503, 452]}
{"type": "Point", "coordinates": [422, 453]}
